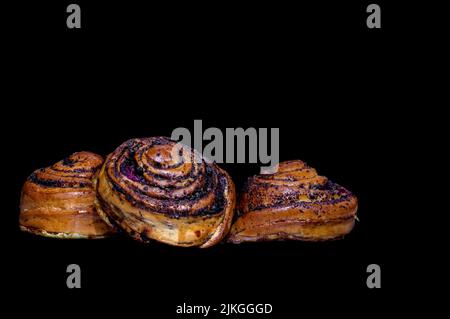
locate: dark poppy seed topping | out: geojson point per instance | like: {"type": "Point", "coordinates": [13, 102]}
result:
{"type": "Point", "coordinates": [159, 175]}
{"type": "Point", "coordinates": [75, 171]}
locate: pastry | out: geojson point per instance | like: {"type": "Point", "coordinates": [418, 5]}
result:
{"type": "Point", "coordinates": [152, 188]}
{"type": "Point", "coordinates": [293, 203]}
{"type": "Point", "coordinates": [58, 201]}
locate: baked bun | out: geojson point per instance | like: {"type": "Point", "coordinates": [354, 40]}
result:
{"type": "Point", "coordinates": [58, 201]}
{"type": "Point", "coordinates": [153, 189]}
{"type": "Point", "coordinates": [294, 203]}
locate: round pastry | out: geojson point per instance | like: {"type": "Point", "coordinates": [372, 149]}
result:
{"type": "Point", "coordinates": [154, 189]}
{"type": "Point", "coordinates": [58, 201]}
{"type": "Point", "coordinates": [293, 203]}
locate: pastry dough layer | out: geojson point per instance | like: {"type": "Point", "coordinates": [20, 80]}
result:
{"type": "Point", "coordinates": [58, 201]}
{"type": "Point", "coordinates": [154, 192]}
{"type": "Point", "coordinates": [294, 203]}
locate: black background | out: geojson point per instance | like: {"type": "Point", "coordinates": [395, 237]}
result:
{"type": "Point", "coordinates": [331, 85]}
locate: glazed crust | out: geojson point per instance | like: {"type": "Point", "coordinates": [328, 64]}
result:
{"type": "Point", "coordinates": [294, 203]}
{"type": "Point", "coordinates": [154, 191]}
{"type": "Point", "coordinates": [58, 201]}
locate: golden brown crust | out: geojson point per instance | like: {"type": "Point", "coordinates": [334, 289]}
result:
{"type": "Point", "coordinates": [293, 203]}
{"type": "Point", "coordinates": [58, 201]}
{"type": "Point", "coordinates": [152, 190]}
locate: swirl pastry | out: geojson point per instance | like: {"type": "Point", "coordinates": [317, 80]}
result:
{"type": "Point", "coordinates": [153, 189]}
{"type": "Point", "coordinates": [58, 201]}
{"type": "Point", "coordinates": [294, 203]}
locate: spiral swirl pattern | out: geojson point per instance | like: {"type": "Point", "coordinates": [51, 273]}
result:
{"type": "Point", "coordinates": [58, 201]}
{"type": "Point", "coordinates": [154, 189]}
{"type": "Point", "coordinates": [73, 172]}
{"type": "Point", "coordinates": [293, 203]}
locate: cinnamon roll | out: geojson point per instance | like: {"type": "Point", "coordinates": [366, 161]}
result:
{"type": "Point", "coordinates": [58, 201]}
{"type": "Point", "coordinates": [293, 203]}
{"type": "Point", "coordinates": [153, 189]}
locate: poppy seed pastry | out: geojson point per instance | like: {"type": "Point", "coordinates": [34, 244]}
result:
{"type": "Point", "coordinates": [154, 190]}
{"type": "Point", "coordinates": [293, 203]}
{"type": "Point", "coordinates": [58, 201]}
